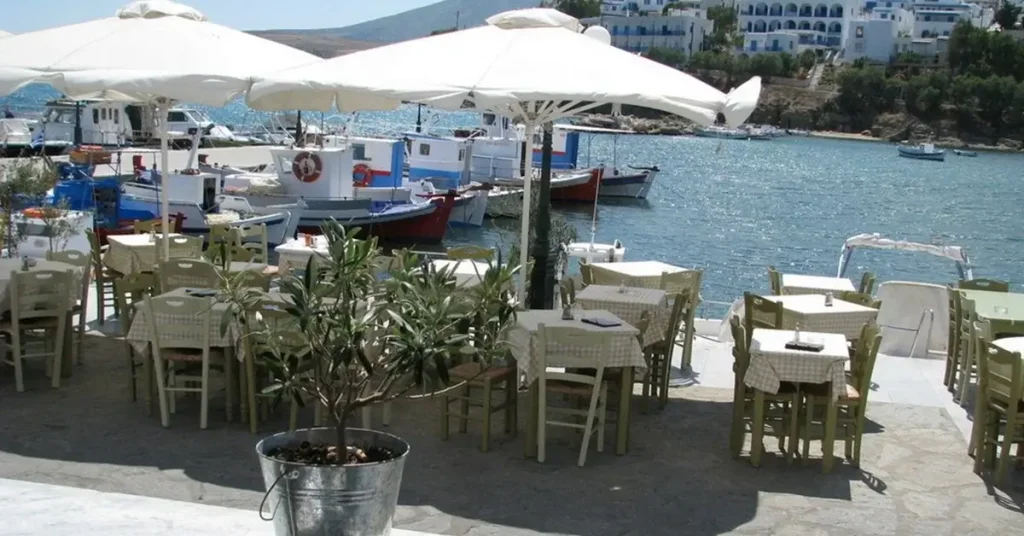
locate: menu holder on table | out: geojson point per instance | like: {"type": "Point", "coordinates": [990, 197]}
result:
{"type": "Point", "coordinates": [805, 346]}
{"type": "Point", "coordinates": [602, 322]}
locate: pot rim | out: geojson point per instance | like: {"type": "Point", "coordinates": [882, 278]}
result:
{"type": "Point", "coordinates": [260, 453]}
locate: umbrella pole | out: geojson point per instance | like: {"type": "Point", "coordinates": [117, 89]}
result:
{"type": "Point", "coordinates": [162, 110]}
{"type": "Point", "coordinates": [542, 296]}
{"type": "Point", "coordinates": [524, 238]}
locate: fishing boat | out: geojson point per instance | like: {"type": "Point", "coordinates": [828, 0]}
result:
{"type": "Point", "coordinates": [721, 133]}
{"type": "Point", "coordinates": [634, 183]}
{"type": "Point", "coordinates": [26, 137]}
{"type": "Point", "coordinates": [965, 152]}
{"type": "Point", "coordinates": [926, 151]}
{"type": "Point", "coordinates": [443, 163]}
{"type": "Point", "coordinates": [359, 183]}
{"type": "Point", "coordinates": [596, 252]}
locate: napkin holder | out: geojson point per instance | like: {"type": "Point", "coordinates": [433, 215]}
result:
{"type": "Point", "coordinates": [601, 322]}
{"type": "Point", "coordinates": [805, 346]}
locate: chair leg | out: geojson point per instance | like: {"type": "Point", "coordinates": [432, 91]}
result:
{"type": "Point", "coordinates": [588, 428]}
{"type": "Point", "coordinates": [204, 403]}
{"type": "Point", "coordinates": [808, 425]}
{"type": "Point", "coordinates": [229, 388]}
{"type": "Point", "coordinates": [486, 436]}
{"type": "Point", "coordinates": [511, 407]}
{"type": "Point", "coordinates": [757, 429]}
{"type": "Point", "coordinates": [602, 414]}
{"type": "Point", "coordinates": [965, 380]}
{"type": "Point", "coordinates": [19, 373]}
{"type": "Point", "coordinates": [1003, 465]}
{"type": "Point", "coordinates": [858, 434]}
{"type": "Point", "coordinates": [99, 300]}
{"type": "Point", "coordinates": [464, 409]}
{"type": "Point", "coordinates": [666, 373]}
{"type": "Point", "coordinates": [736, 428]}
{"type": "Point", "coordinates": [794, 427]}
{"type": "Point", "coordinates": [58, 352]}
{"type": "Point", "coordinates": [542, 421]}
{"type": "Point", "coordinates": [444, 401]}
{"type": "Point", "coordinates": [165, 415]}
{"type": "Point", "coordinates": [131, 370]}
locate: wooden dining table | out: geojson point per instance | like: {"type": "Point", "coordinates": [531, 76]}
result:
{"type": "Point", "coordinates": [1003, 310]}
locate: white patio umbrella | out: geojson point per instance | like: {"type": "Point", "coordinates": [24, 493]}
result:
{"type": "Point", "coordinates": [155, 51]}
{"type": "Point", "coordinates": [532, 65]}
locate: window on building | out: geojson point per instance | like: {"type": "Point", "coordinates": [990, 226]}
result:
{"type": "Point", "coordinates": [664, 29]}
{"type": "Point", "coordinates": [117, 116]}
{"type": "Point", "coordinates": [647, 2]}
{"type": "Point", "coordinates": [885, 16]}
{"type": "Point", "coordinates": [860, 31]}
{"type": "Point", "coordinates": [927, 18]}
{"type": "Point", "coordinates": [946, 33]}
{"type": "Point", "coordinates": [95, 116]}
{"type": "Point", "coordinates": [952, 18]}
{"type": "Point", "coordinates": [615, 30]}
{"type": "Point", "coordinates": [424, 149]}
{"type": "Point", "coordinates": [858, 47]}
{"type": "Point", "coordinates": [462, 155]}
{"type": "Point", "coordinates": [103, 114]}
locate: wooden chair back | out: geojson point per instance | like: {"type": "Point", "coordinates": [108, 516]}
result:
{"type": "Point", "coordinates": [760, 313]}
{"type": "Point", "coordinates": [603, 276]}
{"type": "Point", "coordinates": [254, 279]}
{"type": "Point", "coordinates": [193, 335]}
{"type": "Point", "coordinates": [81, 260]}
{"type": "Point", "coordinates": [689, 281]}
{"type": "Point", "coordinates": [775, 281]}
{"type": "Point", "coordinates": [129, 292]}
{"type": "Point", "coordinates": [680, 302]}
{"type": "Point", "coordinates": [40, 294]}
{"type": "Point", "coordinates": [866, 356]}
{"type": "Point", "coordinates": [552, 343]}
{"type": "Point", "coordinates": [1003, 378]}
{"type": "Point", "coordinates": [860, 298]}
{"type": "Point", "coordinates": [148, 226]}
{"type": "Point", "coordinates": [183, 247]}
{"type": "Point", "coordinates": [741, 357]}
{"type": "Point", "coordinates": [470, 253]}
{"type": "Point", "coordinates": [867, 283]}
{"type": "Point", "coordinates": [991, 285]}
{"type": "Point", "coordinates": [965, 327]}
{"type": "Point", "coordinates": [253, 239]}
{"type": "Point", "coordinates": [187, 273]}
{"type": "Point", "coordinates": [96, 250]}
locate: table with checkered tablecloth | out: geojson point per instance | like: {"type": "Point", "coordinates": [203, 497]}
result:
{"type": "Point", "coordinates": [811, 313]}
{"type": "Point", "coordinates": [635, 273]}
{"type": "Point", "coordinates": [772, 363]}
{"type": "Point", "coordinates": [815, 284]}
{"type": "Point", "coordinates": [294, 254]}
{"type": "Point", "coordinates": [133, 254]}
{"type": "Point", "coordinates": [629, 304]}
{"type": "Point", "coordinates": [625, 350]}
{"type": "Point", "coordinates": [10, 265]}
{"type": "Point", "coordinates": [139, 335]}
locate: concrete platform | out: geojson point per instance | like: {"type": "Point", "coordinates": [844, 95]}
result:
{"type": "Point", "coordinates": [45, 510]}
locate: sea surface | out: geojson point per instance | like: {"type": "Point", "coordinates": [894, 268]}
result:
{"type": "Point", "coordinates": [732, 207]}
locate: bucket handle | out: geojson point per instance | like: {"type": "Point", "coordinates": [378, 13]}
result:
{"type": "Point", "coordinates": [291, 476]}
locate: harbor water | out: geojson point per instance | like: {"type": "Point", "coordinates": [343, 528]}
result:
{"type": "Point", "coordinates": [733, 207]}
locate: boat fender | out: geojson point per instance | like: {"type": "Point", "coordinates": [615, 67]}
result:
{"type": "Point", "coordinates": [362, 175]}
{"type": "Point", "coordinates": [307, 167]}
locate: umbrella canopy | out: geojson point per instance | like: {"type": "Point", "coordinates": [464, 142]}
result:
{"type": "Point", "coordinates": [149, 50]}
{"type": "Point", "coordinates": [532, 65]}
{"type": "Point", "coordinates": [5, 34]}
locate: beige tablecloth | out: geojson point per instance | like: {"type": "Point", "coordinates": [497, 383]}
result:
{"type": "Point", "coordinates": [625, 350]}
{"type": "Point", "coordinates": [638, 273]}
{"type": "Point", "coordinates": [814, 284]}
{"type": "Point", "coordinates": [629, 306]}
{"type": "Point", "coordinates": [772, 363]}
{"type": "Point", "coordinates": [810, 311]}
{"type": "Point", "coordinates": [132, 254]}
{"type": "Point", "coordinates": [139, 335]}
{"type": "Point", "coordinates": [294, 254]}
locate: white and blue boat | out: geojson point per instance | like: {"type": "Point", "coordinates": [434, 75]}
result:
{"type": "Point", "coordinates": [925, 151]}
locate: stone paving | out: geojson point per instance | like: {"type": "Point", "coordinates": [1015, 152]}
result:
{"type": "Point", "coordinates": [677, 479]}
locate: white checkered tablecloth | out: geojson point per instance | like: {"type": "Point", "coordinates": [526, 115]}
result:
{"type": "Point", "coordinates": [635, 273]}
{"type": "Point", "coordinates": [810, 311]}
{"type": "Point", "coordinates": [139, 336]}
{"type": "Point", "coordinates": [772, 363]}
{"type": "Point", "coordinates": [629, 306]}
{"type": "Point", "coordinates": [625, 350]}
{"type": "Point", "coordinates": [132, 254]}
{"type": "Point", "coordinates": [814, 284]}
{"type": "Point", "coordinates": [9, 265]}
{"type": "Point", "coordinates": [294, 254]}
{"type": "Point", "coordinates": [466, 273]}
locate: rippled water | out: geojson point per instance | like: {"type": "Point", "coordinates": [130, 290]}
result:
{"type": "Point", "coordinates": [733, 207]}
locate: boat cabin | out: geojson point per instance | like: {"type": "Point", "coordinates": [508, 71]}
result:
{"type": "Point", "coordinates": [443, 161]}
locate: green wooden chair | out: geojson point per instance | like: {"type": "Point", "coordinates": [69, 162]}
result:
{"type": "Point", "coordinates": [661, 352]}
{"type": "Point", "coordinates": [982, 338]}
{"type": "Point", "coordinates": [848, 425]}
{"type": "Point", "coordinates": [128, 293]}
{"type": "Point", "coordinates": [953, 340]}
{"type": "Point", "coordinates": [991, 285]}
{"type": "Point", "coordinates": [1003, 389]}
{"type": "Point", "coordinates": [775, 415]}
{"type": "Point", "coordinates": [775, 281]}
{"type": "Point", "coordinates": [103, 277]}
{"type": "Point", "coordinates": [760, 313]}
{"type": "Point", "coordinates": [867, 283]}
{"type": "Point", "coordinates": [81, 304]}
{"type": "Point", "coordinates": [968, 366]}
{"type": "Point", "coordinates": [688, 281]}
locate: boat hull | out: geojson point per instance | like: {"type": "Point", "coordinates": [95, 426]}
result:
{"type": "Point", "coordinates": [585, 192]}
{"type": "Point", "coordinates": [420, 223]}
{"type": "Point", "coordinates": [631, 186]}
{"type": "Point", "coordinates": [469, 208]}
{"type": "Point", "coordinates": [914, 155]}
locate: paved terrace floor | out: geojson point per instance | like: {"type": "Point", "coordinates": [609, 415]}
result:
{"type": "Point", "coordinates": [678, 477]}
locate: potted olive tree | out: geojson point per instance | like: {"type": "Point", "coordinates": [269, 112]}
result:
{"type": "Point", "coordinates": [363, 339]}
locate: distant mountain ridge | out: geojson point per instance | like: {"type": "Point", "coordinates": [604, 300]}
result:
{"type": "Point", "coordinates": [414, 23]}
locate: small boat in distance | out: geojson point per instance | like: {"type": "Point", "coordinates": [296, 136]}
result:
{"type": "Point", "coordinates": [721, 133]}
{"type": "Point", "coordinates": [925, 151]}
{"type": "Point", "coordinates": [964, 152]}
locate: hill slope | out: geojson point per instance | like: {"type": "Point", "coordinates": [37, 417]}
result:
{"type": "Point", "coordinates": [417, 22]}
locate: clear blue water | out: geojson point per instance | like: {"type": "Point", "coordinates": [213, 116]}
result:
{"type": "Point", "coordinates": [731, 208]}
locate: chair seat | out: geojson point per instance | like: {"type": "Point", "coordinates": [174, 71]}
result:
{"type": "Point", "coordinates": [825, 389]}
{"type": "Point", "coordinates": [189, 355]}
{"type": "Point", "coordinates": [31, 323]}
{"type": "Point", "coordinates": [471, 371]}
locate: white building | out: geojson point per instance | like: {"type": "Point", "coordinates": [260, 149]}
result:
{"type": "Point", "coordinates": [640, 33]}
{"type": "Point", "coordinates": [934, 18]}
{"type": "Point", "coordinates": [817, 24]}
{"type": "Point", "coordinates": [880, 35]}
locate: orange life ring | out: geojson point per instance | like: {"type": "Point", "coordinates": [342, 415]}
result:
{"type": "Point", "coordinates": [34, 212]}
{"type": "Point", "coordinates": [362, 175]}
{"type": "Point", "coordinates": [307, 167]}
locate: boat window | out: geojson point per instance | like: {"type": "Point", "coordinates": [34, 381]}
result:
{"type": "Point", "coordinates": [117, 116]}
{"type": "Point", "coordinates": [359, 151]}
{"type": "Point", "coordinates": [504, 123]}
{"type": "Point", "coordinates": [489, 119]}
{"type": "Point", "coordinates": [103, 114]}
{"type": "Point", "coordinates": [176, 117]}
{"type": "Point", "coordinates": [462, 155]}
{"type": "Point", "coordinates": [95, 116]}
{"type": "Point", "coordinates": [424, 149]}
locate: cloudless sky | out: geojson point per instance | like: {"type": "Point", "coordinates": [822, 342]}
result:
{"type": "Point", "coordinates": [19, 16]}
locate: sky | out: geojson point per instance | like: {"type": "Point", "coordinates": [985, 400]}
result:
{"type": "Point", "coordinates": [30, 15]}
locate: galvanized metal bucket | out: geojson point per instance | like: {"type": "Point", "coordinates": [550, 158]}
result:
{"type": "Point", "coordinates": [355, 500]}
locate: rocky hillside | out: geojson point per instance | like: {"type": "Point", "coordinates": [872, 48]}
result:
{"type": "Point", "coordinates": [324, 46]}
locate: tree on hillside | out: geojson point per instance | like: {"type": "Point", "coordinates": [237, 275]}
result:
{"type": "Point", "coordinates": [666, 56]}
{"type": "Point", "coordinates": [766, 66]}
{"type": "Point", "coordinates": [863, 94]}
{"type": "Point", "coordinates": [580, 9]}
{"type": "Point", "coordinates": [807, 59]}
{"type": "Point", "coordinates": [1008, 15]}
{"type": "Point", "coordinates": [724, 36]}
